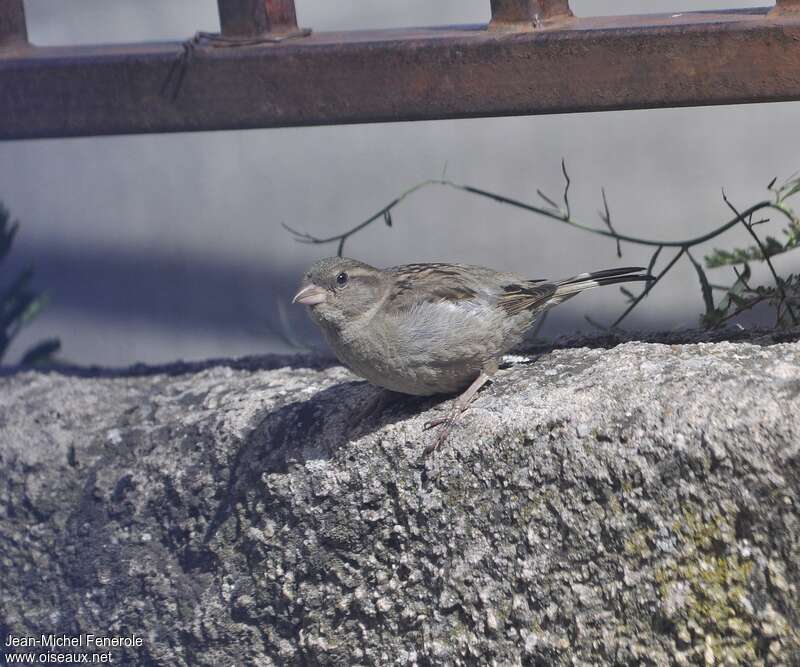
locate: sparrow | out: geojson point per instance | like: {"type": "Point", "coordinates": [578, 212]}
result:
{"type": "Point", "coordinates": [426, 329]}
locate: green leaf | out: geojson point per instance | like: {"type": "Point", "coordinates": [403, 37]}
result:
{"type": "Point", "coordinates": [772, 246]}
{"type": "Point", "coordinates": [7, 235]}
{"type": "Point", "coordinates": [20, 284]}
{"type": "Point", "coordinates": [33, 309]}
{"type": "Point", "coordinates": [738, 300]}
{"type": "Point", "coordinates": [19, 302]}
{"type": "Point", "coordinates": [17, 308]}
{"type": "Point", "coordinates": [789, 189]}
{"type": "Point", "coordinates": [753, 253]}
{"type": "Point", "coordinates": [731, 257]}
{"type": "Point", "coordinates": [708, 296]}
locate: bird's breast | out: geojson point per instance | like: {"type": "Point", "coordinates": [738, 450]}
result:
{"type": "Point", "coordinates": [431, 348]}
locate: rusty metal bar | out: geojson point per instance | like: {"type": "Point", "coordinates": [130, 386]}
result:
{"type": "Point", "coordinates": [250, 18]}
{"type": "Point", "coordinates": [584, 64]}
{"type": "Point", "coordinates": [13, 30]}
{"type": "Point", "coordinates": [783, 7]}
{"type": "Point", "coordinates": [281, 15]}
{"type": "Point", "coordinates": [522, 15]}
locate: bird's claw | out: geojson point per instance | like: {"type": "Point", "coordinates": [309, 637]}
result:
{"type": "Point", "coordinates": [440, 438]}
{"type": "Point", "coordinates": [446, 424]}
{"type": "Point", "coordinates": [432, 423]}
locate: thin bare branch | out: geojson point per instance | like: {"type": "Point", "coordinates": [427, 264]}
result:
{"type": "Point", "coordinates": [605, 216]}
{"type": "Point", "coordinates": [547, 199]}
{"type": "Point", "coordinates": [744, 309]}
{"type": "Point", "coordinates": [648, 288]}
{"type": "Point", "coordinates": [300, 237]}
{"type": "Point", "coordinates": [655, 243]}
{"type": "Point", "coordinates": [340, 239]}
{"type": "Point", "coordinates": [567, 183]}
{"type": "Point", "coordinates": [653, 260]}
{"type": "Point", "coordinates": [304, 237]}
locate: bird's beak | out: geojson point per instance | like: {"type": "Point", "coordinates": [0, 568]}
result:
{"type": "Point", "coordinates": [310, 295]}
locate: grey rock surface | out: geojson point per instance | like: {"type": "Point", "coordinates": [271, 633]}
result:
{"type": "Point", "coordinates": [630, 505]}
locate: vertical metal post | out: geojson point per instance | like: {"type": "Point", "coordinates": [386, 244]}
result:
{"type": "Point", "coordinates": [12, 23]}
{"type": "Point", "coordinates": [250, 18]}
{"type": "Point", "coordinates": [783, 7]}
{"type": "Point", "coordinates": [522, 15]}
{"type": "Point", "coordinates": [281, 15]}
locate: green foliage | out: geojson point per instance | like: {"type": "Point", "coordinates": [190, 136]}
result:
{"type": "Point", "coordinates": [740, 296]}
{"type": "Point", "coordinates": [784, 298]}
{"type": "Point", "coordinates": [771, 246]}
{"type": "Point", "coordinates": [19, 302]}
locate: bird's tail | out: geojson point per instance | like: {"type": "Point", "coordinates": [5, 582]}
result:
{"type": "Point", "coordinates": [583, 281]}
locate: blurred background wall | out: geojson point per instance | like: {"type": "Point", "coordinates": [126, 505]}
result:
{"type": "Point", "coordinates": [156, 248]}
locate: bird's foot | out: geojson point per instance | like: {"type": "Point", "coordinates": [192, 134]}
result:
{"type": "Point", "coordinates": [459, 406]}
{"type": "Point", "coordinates": [446, 424]}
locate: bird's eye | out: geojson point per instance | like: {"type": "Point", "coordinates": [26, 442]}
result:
{"type": "Point", "coordinates": [341, 279]}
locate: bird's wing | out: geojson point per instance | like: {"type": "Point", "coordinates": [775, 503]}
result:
{"type": "Point", "coordinates": [517, 297]}
{"type": "Point", "coordinates": [416, 284]}
{"type": "Point", "coordinates": [459, 284]}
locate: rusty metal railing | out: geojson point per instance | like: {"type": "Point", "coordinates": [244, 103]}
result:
{"type": "Point", "coordinates": [253, 17]}
{"type": "Point", "coordinates": [12, 23]}
{"type": "Point", "coordinates": [263, 70]}
{"type": "Point", "coordinates": [528, 14]}
{"type": "Point", "coordinates": [783, 7]}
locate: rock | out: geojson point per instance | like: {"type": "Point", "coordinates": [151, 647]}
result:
{"type": "Point", "coordinates": [631, 505]}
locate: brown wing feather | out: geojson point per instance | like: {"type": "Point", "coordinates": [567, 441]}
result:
{"type": "Point", "coordinates": [518, 297]}
{"type": "Point", "coordinates": [421, 283]}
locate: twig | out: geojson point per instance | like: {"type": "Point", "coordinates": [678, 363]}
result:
{"type": "Point", "coordinates": [547, 199]}
{"type": "Point", "coordinates": [605, 216]}
{"type": "Point", "coordinates": [648, 288]}
{"type": "Point", "coordinates": [305, 237]}
{"type": "Point", "coordinates": [778, 281]}
{"type": "Point", "coordinates": [749, 306]}
{"type": "Point", "coordinates": [567, 215]}
{"type": "Point", "coordinates": [557, 215]}
{"type": "Point", "coordinates": [766, 204]}
{"type": "Point", "coordinates": [740, 276]}
{"type": "Point", "coordinates": [653, 260]}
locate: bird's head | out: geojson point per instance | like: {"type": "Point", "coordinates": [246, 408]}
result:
{"type": "Point", "coordinates": [338, 290]}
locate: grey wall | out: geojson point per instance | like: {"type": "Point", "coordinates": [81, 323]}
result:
{"type": "Point", "coordinates": [163, 247]}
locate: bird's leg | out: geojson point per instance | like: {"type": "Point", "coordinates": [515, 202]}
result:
{"type": "Point", "coordinates": [459, 405]}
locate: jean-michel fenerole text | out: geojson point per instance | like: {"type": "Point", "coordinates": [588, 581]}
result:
{"type": "Point", "coordinates": [87, 641]}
